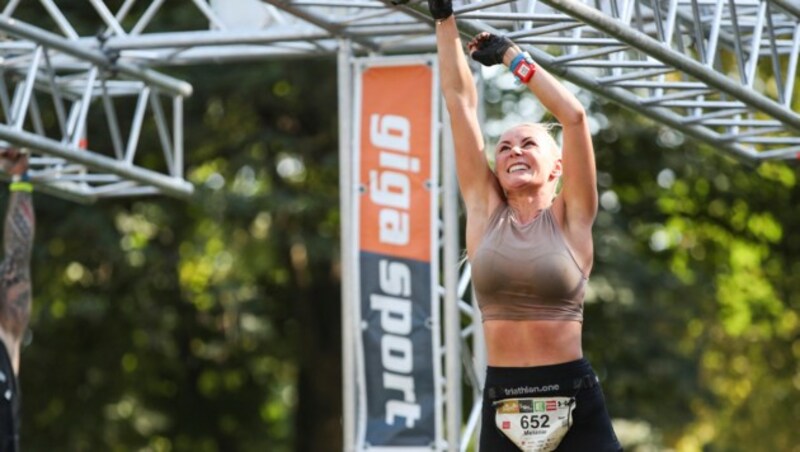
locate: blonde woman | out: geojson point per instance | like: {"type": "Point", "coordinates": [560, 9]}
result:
{"type": "Point", "coordinates": [531, 253]}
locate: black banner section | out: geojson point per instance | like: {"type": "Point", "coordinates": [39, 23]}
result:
{"type": "Point", "coordinates": [396, 298]}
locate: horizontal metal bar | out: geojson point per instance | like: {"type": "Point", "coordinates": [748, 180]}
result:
{"type": "Point", "coordinates": [714, 115]}
{"type": "Point", "coordinates": [126, 192]}
{"type": "Point", "coordinates": [169, 185]}
{"type": "Point", "coordinates": [664, 85]}
{"type": "Point", "coordinates": [218, 55]}
{"type": "Point", "coordinates": [388, 30]}
{"type": "Point", "coordinates": [613, 79]}
{"type": "Point", "coordinates": [16, 46]}
{"type": "Point", "coordinates": [621, 64]}
{"type": "Point", "coordinates": [67, 191]}
{"type": "Point", "coordinates": [184, 39]}
{"type": "Point", "coordinates": [474, 6]}
{"type": "Point", "coordinates": [742, 123]}
{"type": "Point", "coordinates": [589, 54]}
{"type": "Point", "coordinates": [771, 140]}
{"type": "Point", "coordinates": [559, 40]}
{"type": "Point", "coordinates": [703, 104]}
{"type": "Point", "coordinates": [548, 18]}
{"type": "Point", "coordinates": [343, 4]}
{"type": "Point", "coordinates": [119, 186]}
{"type": "Point", "coordinates": [655, 100]}
{"type": "Point", "coordinates": [43, 160]}
{"type": "Point", "coordinates": [87, 178]}
{"type": "Point", "coordinates": [741, 134]}
{"type": "Point", "coordinates": [545, 29]}
{"type": "Point", "coordinates": [380, 21]}
{"type": "Point", "coordinates": [791, 152]}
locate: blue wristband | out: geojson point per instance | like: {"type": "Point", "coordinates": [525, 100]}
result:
{"type": "Point", "coordinates": [517, 59]}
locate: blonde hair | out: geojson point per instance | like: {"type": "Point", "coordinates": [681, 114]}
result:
{"type": "Point", "coordinates": [547, 128]}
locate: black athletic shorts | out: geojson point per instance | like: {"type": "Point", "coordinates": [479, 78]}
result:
{"type": "Point", "coordinates": [9, 404]}
{"type": "Point", "coordinates": [591, 428]}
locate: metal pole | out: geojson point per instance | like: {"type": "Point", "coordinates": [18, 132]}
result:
{"type": "Point", "coordinates": [136, 125]}
{"type": "Point", "coordinates": [22, 101]}
{"type": "Point", "coordinates": [177, 128]}
{"type": "Point", "coordinates": [345, 92]}
{"type": "Point", "coordinates": [452, 315]}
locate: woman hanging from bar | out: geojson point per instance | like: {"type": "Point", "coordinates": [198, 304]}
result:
{"type": "Point", "coordinates": [531, 251]}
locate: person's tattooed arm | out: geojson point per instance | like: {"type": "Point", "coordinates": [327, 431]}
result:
{"type": "Point", "coordinates": [15, 275]}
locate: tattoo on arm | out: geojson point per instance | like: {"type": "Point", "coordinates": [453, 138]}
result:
{"type": "Point", "coordinates": [15, 275]}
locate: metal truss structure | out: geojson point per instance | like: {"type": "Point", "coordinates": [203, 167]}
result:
{"type": "Point", "coordinates": [721, 71]}
{"type": "Point", "coordinates": [54, 85]}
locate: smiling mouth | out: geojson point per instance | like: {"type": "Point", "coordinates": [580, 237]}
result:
{"type": "Point", "coordinates": [517, 168]}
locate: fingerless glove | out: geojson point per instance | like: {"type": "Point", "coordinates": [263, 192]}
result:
{"type": "Point", "coordinates": [491, 50]}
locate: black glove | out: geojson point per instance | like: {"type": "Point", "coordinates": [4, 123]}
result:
{"type": "Point", "coordinates": [489, 48]}
{"type": "Point", "coordinates": [440, 9]}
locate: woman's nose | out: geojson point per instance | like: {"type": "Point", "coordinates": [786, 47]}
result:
{"type": "Point", "coordinates": [516, 150]}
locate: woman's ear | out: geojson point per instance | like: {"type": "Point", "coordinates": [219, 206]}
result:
{"type": "Point", "coordinates": [557, 170]}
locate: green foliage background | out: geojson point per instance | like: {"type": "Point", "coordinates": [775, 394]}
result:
{"type": "Point", "coordinates": [213, 324]}
{"type": "Point", "coordinates": [190, 325]}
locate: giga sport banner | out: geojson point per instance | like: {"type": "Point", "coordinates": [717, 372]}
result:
{"type": "Point", "coordinates": [396, 203]}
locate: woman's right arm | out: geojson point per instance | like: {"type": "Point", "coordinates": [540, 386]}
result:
{"type": "Point", "coordinates": [479, 187]}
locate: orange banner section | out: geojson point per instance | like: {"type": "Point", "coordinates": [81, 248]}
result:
{"type": "Point", "coordinates": [395, 159]}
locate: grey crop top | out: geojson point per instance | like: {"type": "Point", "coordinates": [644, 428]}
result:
{"type": "Point", "coordinates": [527, 272]}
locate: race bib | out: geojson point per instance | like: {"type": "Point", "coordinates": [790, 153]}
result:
{"type": "Point", "coordinates": [535, 424]}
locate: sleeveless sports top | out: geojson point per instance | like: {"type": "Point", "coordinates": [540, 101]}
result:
{"type": "Point", "coordinates": [527, 272]}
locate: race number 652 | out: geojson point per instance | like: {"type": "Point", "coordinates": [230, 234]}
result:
{"type": "Point", "coordinates": [534, 421]}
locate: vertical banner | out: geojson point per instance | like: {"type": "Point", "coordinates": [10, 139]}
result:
{"type": "Point", "coordinates": [397, 208]}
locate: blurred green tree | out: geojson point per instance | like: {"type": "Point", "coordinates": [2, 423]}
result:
{"type": "Point", "coordinates": [203, 324]}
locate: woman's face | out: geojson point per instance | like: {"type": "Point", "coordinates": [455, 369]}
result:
{"type": "Point", "coordinates": [525, 157]}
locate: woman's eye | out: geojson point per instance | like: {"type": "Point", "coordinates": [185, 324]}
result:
{"type": "Point", "coordinates": [528, 144]}
{"type": "Point", "coordinates": [504, 148]}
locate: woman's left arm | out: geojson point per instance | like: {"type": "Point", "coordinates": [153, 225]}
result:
{"type": "Point", "coordinates": [579, 179]}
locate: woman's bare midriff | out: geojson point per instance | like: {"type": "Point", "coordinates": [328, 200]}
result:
{"type": "Point", "coordinates": [528, 343]}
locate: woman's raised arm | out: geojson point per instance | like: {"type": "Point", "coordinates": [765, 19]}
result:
{"type": "Point", "coordinates": [579, 180]}
{"type": "Point", "coordinates": [478, 185]}
{"type": "Point", "coordinates": [579, 188]}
